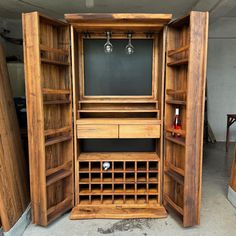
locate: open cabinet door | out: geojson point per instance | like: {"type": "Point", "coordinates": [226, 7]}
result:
{"type": "Point", "coordinates": [185, 89]}
{"type": "Point", "coordinates": [49, 115]}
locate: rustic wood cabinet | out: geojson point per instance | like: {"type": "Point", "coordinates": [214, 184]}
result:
{"type": "Point", "coordinates": [78, 120]}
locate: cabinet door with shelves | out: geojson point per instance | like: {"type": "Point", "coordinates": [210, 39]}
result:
{"type": "Point", "coordinates": [185, 86]}
{"type": "Point", "coordinates": [49, 114]}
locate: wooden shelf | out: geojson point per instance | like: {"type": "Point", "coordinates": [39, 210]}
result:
{"type": "Point", "coordinates": [173, 204]}
{"type": "Point", "coordinates": [57, 139]}
{"type": "Point", "coordinates": [57, 131]}
{"type": "Point", "coordinates": [118, 156]}
{"type": "Point", "coordinates": [174, 168]}
{"type": "Point", "coordinates": [118, 111]}
{"type": "Point", "coordinates": [179, 62]}
{"type": "Point", "coordinates": [176, 177]}
{"type": "Point", "coordinates": [62, 174]}
{"type": "Point", "coordinates": [178, 50]}
{"type": "Point", "coordinates": [176, 102]}
{"type": "Point", "coordinates": [66, 202]}
{"type": "Point", "coordinates": [48, 91]}
{"type": "Point", "coordinates": [177, 140]}
{"type": "Point", "coordinates": [176, 131]}
{"type": "Point", "coordinates": [54, 50]}
{"type": "Point", "coordinates": [118, 101]}
{"type": "Point", "coordinates": [54, 62]}
{"type": "Point", "coordinates": [175, 92]}
{"type": "Point", "coordinates": [64, 166]}
{"type": "Point", "coordinates": [55, 102]}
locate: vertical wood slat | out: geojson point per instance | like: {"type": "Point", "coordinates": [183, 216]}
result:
{"type": "Point", "coordinates": [14, 186]}
{"type": "Point", "coordinates": [195, 117]}
{"type": "Point", "coordinates": [35, 118]}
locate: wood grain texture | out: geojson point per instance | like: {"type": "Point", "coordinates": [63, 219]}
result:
{"type": "Point", "coordinates": [14, 190]}
{"type": "Point", "coordinates": [233, 173]}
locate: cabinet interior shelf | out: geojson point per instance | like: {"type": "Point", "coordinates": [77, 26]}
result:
{"type": "Point", "coordinates": [176, 177]}
{"type": "Point", "coordinates": [178, 62]}
{"type": "Point", "coordinates": [173, 204]}
{"type": "Point", "coordinates": [62, 174]}
{"type": "Point", "coordinates": [54, 50]}
{"type": "Point", "coordinates": [57, 101]}
{"type": "Point", "coordinates": [48, 91]}
{"type": "Point", "coordinates": [176, 131]}
{"type": "Point", "coordinates": [175, 92]}
{"type": "Point", "coordinates": [176, 102]}
{"type": "Point", "coordinates": [64, 166]}
{"type": "Point", "coordinates": [66, 203]}
{"type": "Point", "coordinates": [54, 62]}
{"type": "Point", "coordinates": [57, 130]}
{"type": "Point", "coordinates": [117, 110]}
{"type": "Point", "coordinates": [174, 168]}
{"type": "Point", "coordinates": [58, 139]}
{"type": "Point", "coordinates": [177, 140]}
{"type": "Point", "coordinates": [178, 50]}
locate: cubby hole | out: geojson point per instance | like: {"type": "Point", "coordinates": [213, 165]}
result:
{"type": "Point", "coordinates": [153, 166]}
{"type": "Point", "coordinates": [129, 177]}
{"type": "Point", "coordinates": [107, 199]}
{"type": "Point", "coordinates": [153, 177]}
{"type": "Point", "coordinates": [118, 166]}
{"type": "Point", "coordinates": [84, 188]}
{"type": "Point", "coordinates": [95, 188]}
{"type": "Point", "coordinates": [84, 177]}
{"type": "Point", "coordinates": [118, 199]}
{"type": "Point", "coordinates": [96, 199]}
{"type": "Point", "coordinates": [141, 188]}
{"type": "Point", "coordinates": [95, 177]}
{"type": "Point", "coordinates": [118, 177]}
{"type": "Point", "coordinates": [141, 166]}
{"type": "Point", "coordinates": [130, 199]}
{"type": "Point", "coordinates": [95, 166]}
{"type": "Point", "coordinates": [83, 199]}
{"type": "Point", "coordinates": [153, 188]}
{"type": "Point", "coordinates": [107, 188]}
{"type": "Point", "coordinates": [118, 188]}
{"type": "Point", "coordinates": [141, 177]}
{"type": "Point", "coordinates": [107, 177]}
{"type": "Point", "coordinates": [130, 188]}
{"type": "Point", "coordinates": [141, 199]}
{"type": "Point", "coordinates": [153, 199]}
{"type": "Point", "coordinates": [83, 166]}
{"type": "Point", "coordinates": [130, 166]}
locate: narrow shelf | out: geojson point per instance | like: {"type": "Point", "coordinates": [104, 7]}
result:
{"type": "Point", "coordinates": [58, 168]}
{"type": "Point", "coordinates": [118, 101]}
{"type": "Point", "coordinates": [176, 177]}
{"type": "Point", "coordinates": [174, 168]}
{"type": "Point", "coordinates": [178, 50]}
{"type": "Point", "coordinates": [61, 205]}
{"type": "Point", "coordinates": [118, 110]}
{"type": "Point", "coordinates": [173, 204]}
{"type": "Point", "coordinates": [118, 156]}
{"type": "Point", "coordinates": [54, 62]}
{"type": "Point", "coordinates": [177, 140]}
{"type": "Point", "coordinates": [55, 102]}
{"type": "Point", "coordinates": [57, 131]}
{"type": "Point", "coordinates": [118, 192]}
{"type": "Point", "coordinates": [176, 131]}
{"type": "Point", "coordinates": [55, 91]}
{"type": "Point", "coordinates": [176, 102]}
{"type": "Point", "coordinates": [54, 50]}
{"type": "Point", "coordinates": [175, 92]}
{"type": "Point", "coordinates": [62, 174]}
{"type": "Point", "coordinates": [179, 62]}
{"type": "Point", "coordinates": [57, 139]}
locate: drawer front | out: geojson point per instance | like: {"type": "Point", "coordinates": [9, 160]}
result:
{"type": "Point", "coordinates": [97, 131]}
{"type": "Point", "coordinates": [139, 131]}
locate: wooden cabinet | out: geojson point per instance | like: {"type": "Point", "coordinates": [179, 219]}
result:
{"type": "Point", "coordinates": [101, 134]}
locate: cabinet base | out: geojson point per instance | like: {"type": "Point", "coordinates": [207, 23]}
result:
{"type": "Point", "coordinates": [113, 212]}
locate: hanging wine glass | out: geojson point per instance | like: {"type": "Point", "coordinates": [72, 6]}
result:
{"type": "Point", "coordinates": [108, 47]}
{"type": "Point", "coordinates": [129, 49]}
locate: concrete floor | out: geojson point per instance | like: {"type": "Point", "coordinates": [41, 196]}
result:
{"type": "Point", "coordinates": [218, 216]}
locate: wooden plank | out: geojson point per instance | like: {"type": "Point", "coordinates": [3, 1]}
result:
{"type": "Point", "coordinates": [178, 50]}
{"type": "Point", "coordinates": [54, 50]}
{"type": "Point", "coordinates": [14, 190]}
{"type": "Point", "coordinates": [54, 62]}
{"type": "Point", "coordinates": [58, 139]}
{"type": "Point", "coordinates": [173, 205]}
{"type": "Point", "coordinates": [128, 156]}
{"type": "Point", "coordinates": [55, 91]}
{"type": "Point", "coordinates": [176, 102]}
{"type": "Point", "coordinates": [57, 101]}
{"type": "Point", "coordinates": [118, 101]}
{"type": "Point", "coordinates": [57, 131]}
{"type": "Point", "coordinates": [233, 173]}
{"type": "Point", "coordinates": [57, 176]}
{"type": "Point", "coordinates": [118, 111]}
{"type": "Point", "coordinates": [175, 92]}
{"type": "Point", "coordinates": [97, 131]}
{"type": "Point", "coordinates": [176, 131]}
{"type": "Point", "coordinates": [118, 121]}
{"type": "Point", "coordinates": [66, 165]}
{"type": "Point", "coordinates": [179, 62]}
{"type": "Point", "coordinates": [139, 131]}
{"type": "Point", "coordinates": [177, 140]}
{"type": "Point", "coordinates": [106, 212]}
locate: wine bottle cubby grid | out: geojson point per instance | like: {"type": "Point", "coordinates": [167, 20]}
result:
{"type": "Point", "coordinates": [125, 182]}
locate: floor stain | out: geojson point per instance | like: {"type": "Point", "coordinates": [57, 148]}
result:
{"type": "Point", "coordinates": [126, 225]}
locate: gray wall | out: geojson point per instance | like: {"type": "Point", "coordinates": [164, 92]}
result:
{"type": "Point", "coordinates": [221, 75]}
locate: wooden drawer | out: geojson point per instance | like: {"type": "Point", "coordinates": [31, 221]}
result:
{"type": "Point", "coordinates": [139, 131]}
{"type": "Point", "coordinates": [97, 131]}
